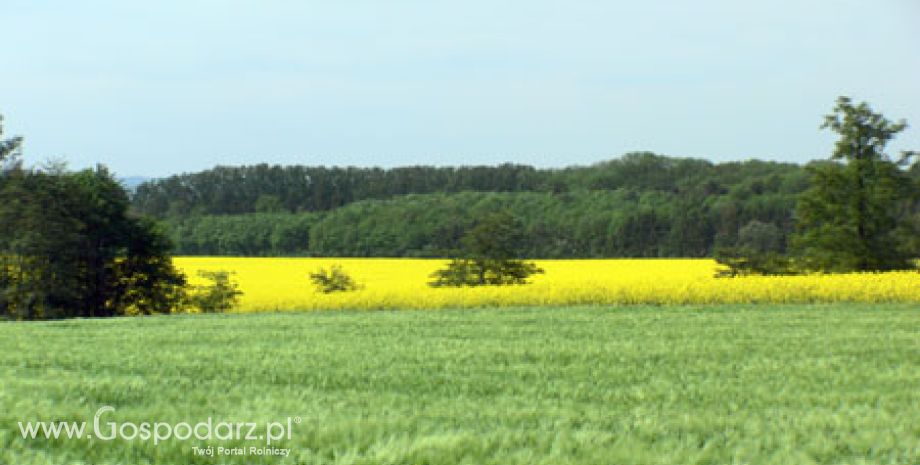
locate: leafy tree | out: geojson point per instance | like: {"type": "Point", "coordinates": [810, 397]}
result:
{"type": "Point", "coordinates": [218, 296]}
{"type": "Point", "coordinates": [490, 255]}
{"type": "Point", "coordinates": [68, 247]}
{"type": "Point", "coordinates": [758, 252]}
{"type": "Point", "coordinates": [760, 237]}
{"type": "Point", "coordinates": [40, 248]}
{"type": "Point", "coordinates": [496, 237]}
{"type": "Point", "coordinates": [335, 279]}
{"type": "Point", "coordinates": [268, 204]}
{"type": "Point", "coordinates": [852, 216]}
{"type": "Point", "coordinates": [145, 281]}
{"type": "Point", "coordinates": [746, 261]}
{"type": "Point", "coordinates": [640, 205]}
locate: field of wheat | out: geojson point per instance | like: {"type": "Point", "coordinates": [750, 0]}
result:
{"type": "Point", "coordinates": [283, 284]}
{"type": "Point", "coordinates": [639, 385]}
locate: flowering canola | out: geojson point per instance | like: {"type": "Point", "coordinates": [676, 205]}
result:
{"type": "Point", "coordinates": [283, 284]}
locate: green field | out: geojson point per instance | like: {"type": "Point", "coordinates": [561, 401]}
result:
{"type": "Point", "coordinates": [755, 384]}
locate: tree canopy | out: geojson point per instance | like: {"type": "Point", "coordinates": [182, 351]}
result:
{"type": "Point", "coordinates": [68, 247]}
{"type": "Point", "coordinates": [489, 255]}
{"type": "Point", "coordinates": [859, 209]}
{"type": "Point", "coordinates": [641, 205]}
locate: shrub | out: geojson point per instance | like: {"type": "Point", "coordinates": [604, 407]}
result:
{"type": "Point", "coordinates": [477, 272]}
{"type": "Point", "coordinates": [490, 255]}
{"type": "Point", "coordinates": [218, 296]}
{"type": "Point", "coordinates": [745, 261]}
{"type": "Point", "coordinates": [335, 279]}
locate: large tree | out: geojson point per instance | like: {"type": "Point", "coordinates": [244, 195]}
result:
{"type": "Point", "coordinates": [490, 255]}
{"type": "Point", "coordinates": [69, 247]}
{"type": "Point", "coordinates": [853, 217]}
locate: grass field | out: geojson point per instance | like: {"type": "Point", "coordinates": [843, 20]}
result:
{"type": "Point", "coordinates": [639, 385]}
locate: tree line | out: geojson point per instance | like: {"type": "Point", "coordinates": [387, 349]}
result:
{"type": "Point", "coordinates": [641, 205]}
{"type": "Point", "coordinates": [586, 224]}
{"type": "Point", "coordinates": [272, 189]}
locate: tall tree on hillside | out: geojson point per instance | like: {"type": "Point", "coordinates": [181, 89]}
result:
{"type": "Point", "coordinates": [853, 215]}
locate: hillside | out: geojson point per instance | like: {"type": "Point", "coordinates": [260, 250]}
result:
{"type": "Point", "coordinates": [272, 188]}
{"type": "Point", "coordinates": [641, 205]}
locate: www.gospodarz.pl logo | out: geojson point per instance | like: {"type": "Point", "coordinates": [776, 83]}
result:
{"type": "Point", "coordinates": [267, 433]}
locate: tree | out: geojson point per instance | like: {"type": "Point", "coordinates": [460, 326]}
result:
{"type": "Point", "coordinates": [268, 204]}
{"type": "Point", "coordinates": [144, 281]}
{"type": "Point", "coordinates": [490, 255]}
{"type": "Point", "coordinates": [69, 248]}
{"type": "Point", "coordinates": [219, 296]}
{"type": "Point", "coordinates": [39, 248]}
{"type": "Point", "coordinates": [760, 237]}
{"type": "Point", "coordinates": [851, 217]}
{"type": "Point", "coordinates": [757, 252]}
{"type": "Point", "coordinates": [336, 279]}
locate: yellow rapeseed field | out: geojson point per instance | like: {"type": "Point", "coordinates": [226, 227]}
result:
{"type": "Point", "coordinates": [283, 284]}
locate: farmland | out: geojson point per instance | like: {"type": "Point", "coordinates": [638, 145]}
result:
{"type": "Point", "coordinates": [283, 284]}
{"type": "Point", "coordinates": [639, 385]}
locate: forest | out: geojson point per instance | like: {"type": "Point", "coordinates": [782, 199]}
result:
{"type": "Point", "coordinates": [638, 205]}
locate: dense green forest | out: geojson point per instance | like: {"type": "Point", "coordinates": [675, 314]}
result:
{"type": "Point", "coordinates": [271, 188]}
{"type": "Point", "coordinates": [639, 205]}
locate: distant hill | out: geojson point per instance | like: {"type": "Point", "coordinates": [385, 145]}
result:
{"type": "Point", "coordinates": [271, 188]}
{"type": "Point", "coordinates": [639, 205]}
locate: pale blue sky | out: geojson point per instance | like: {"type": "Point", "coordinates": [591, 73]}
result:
{"type": "Point", "coordinates": [160, 87]}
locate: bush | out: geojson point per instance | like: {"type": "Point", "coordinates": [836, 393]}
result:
{"type": "Point", "coordinates": [745, 261]}
{"type": "Point", "coordinates": [333, 280]}
{"type": "Point", "coordinates": [470, 272]}
{"type": "Point", "coordinates": [69, 247]}
{"type": "Point", "coordinates": [490, 255]}
{"type": "Point", "coordinates": [761, 237]}
{"type": "Point", "coordinates": [218, 296]}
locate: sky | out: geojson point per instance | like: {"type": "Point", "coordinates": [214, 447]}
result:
{"type": "Point", "coordinates": [162, 87]}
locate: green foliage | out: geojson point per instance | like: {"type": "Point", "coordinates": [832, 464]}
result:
{"type": "Point", "coordinates": [579, 224]}
{"type": "Point", "coordinates": [859, 203]}
{"type": "Point", "coordinates": [484, 272]}
{"type": "Point", "coordinates": [640, 205]}
{"type": "Point", "coordinates": [256, 234]}
{"type": "Point", "coordinates": [490, 252]}
{"type": "Point", "coordinates": [497, 236]}
{"type": "Point", "coordinates": [69, 248]}
{"type": "Point", "coordinates": [218, 296]}
{"type": "Point", "coordinates": [266, 203]}
{"type": "Point", "coordinates": [145, 281]}
{"type": "Point", "coordinates": [748, 261]}
{"type": "Point", "coordinates": [785, 384]}
{"type": "Point", "coordinates": [761, 237]}
{"type": "Point", "coordinates": [759, 252]}
{"type": "Point", "coordinates": [235, 190]}
{"type": "Point", "coordinates": [335, 279]}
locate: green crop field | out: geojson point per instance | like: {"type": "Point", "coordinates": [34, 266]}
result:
{"type": "Point", "coordinates": [640, 385]}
